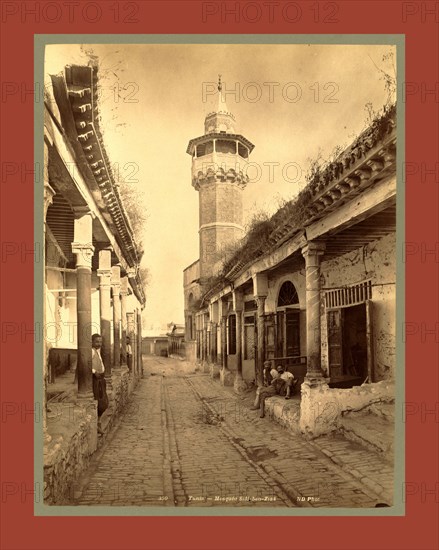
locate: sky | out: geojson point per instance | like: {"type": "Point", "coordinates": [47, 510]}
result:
{"type": "Point", "coordinates": [293, 102]}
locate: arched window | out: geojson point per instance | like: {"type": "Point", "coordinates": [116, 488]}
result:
{"type": "Point", "coordinates": [287, 295]}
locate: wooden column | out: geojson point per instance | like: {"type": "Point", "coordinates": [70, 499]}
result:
{"type": "Point", "coordinates": [104, 274]}
{"type": "Point", "coordinates": [115, 287]}
{"type": "Point", "coordinates": [83, 250]}
{"type": "Point", "coordinates": [312, 253]}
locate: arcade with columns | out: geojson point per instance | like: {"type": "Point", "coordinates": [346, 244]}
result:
{"type": "Point", "coordinates": [92, 283]}
{"type": "Point", "coordinates": [318, 296]}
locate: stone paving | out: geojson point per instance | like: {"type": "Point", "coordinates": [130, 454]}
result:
{"type": "Point", "coordinates": [187, 441]}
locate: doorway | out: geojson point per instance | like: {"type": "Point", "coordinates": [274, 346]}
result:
{"type": "Point", "coordinates": [355, 342]}
{"type": "Point", "coordinates": [350, 343]}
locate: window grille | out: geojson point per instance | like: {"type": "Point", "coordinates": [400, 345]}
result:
{"type": "Point", "coordinates": [349, 295]}
{"type": "Point", "coordinates": [287, 295]}
{"type": "Point", "coordinates": [249, 341]}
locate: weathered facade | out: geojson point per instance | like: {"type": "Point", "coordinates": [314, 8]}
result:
{"type": "Point", "coordinates": [155, 345]}
{"type": "Point", "coordinates": [316, 292]}
{"type": "Point", "coordinates": [91, 278]}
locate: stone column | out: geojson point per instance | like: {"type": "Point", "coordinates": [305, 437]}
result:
{"type": "Point", "coordinates": [205, 339]}
{"type": "Point", "coordinates": [214, 369]}
{"type": "Point", "coordinates": [123, 314]}
{"type": "Point", "coordinates": [104, 274]}
{"type": "Point", "coordinates": [260, 301]}
{"type": "Point", "coordinates": [238, 306]}
{"type": "Point", "coordinates": [130, 330]}
{"type": "Point", "coordinates": [223, 329]}
{"type": "Point", "coordinates": [83, 249]}
{"type": "Point", "coordinates": [213, 339]}
{"type": "Point", "coordinates": [201, 336]}
{"type": "Point", "coordinates": [198, 333]}
{"type": "Point", "coordinates": [214, 317]}
{"type": "Point", "coordinates": [260, 290]}
{"type": "Point", "coordinates": [115, 287]}
{"type": "Point", "coordinates": [226, 376]}
{"type": "Point", "coordinates": [209, 341]}
{"type": "Point", "coordinates": [49, 193]}
{"type": "Point", "coordinates": [139, 343]}
{"type": "Point", "coordinates": [312, 252]}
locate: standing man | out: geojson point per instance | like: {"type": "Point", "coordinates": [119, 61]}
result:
{"type": "Point", "coordinates": [99, 383]}
{"type": "Point", "coordinates": [129, 354]}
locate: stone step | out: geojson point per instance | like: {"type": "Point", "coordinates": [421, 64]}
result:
{"type": "Point", "coordinates": [373, 431]}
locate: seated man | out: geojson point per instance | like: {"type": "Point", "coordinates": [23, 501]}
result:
{"type": "Point", "coordinates": [269, 373]}
{"type": "Point", "coordinates": [278, 386]}
{"type": "Point", "coordinates": [290, 381]}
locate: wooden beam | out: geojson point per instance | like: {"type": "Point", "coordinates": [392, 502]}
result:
{"type": "Point", "coordinates": [370, 202]}
{"type": "Point", "coordinates": [71, 181]}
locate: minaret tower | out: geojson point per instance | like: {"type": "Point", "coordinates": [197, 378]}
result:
{"type": "Point", "coordinates": [219, 174]}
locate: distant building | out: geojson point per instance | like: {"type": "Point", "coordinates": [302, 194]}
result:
{"type": "Point", "coordinates": [155, 345]}
{"type": "Point", "coordinates": [312, 288]}
{"type": "Point", "coordinates": [176, 334]}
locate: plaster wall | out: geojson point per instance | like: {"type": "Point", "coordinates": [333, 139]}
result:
{"type": "Point", "coordinates": [322, 408]}
{"type": "Point", "coordinates": [375, 261]}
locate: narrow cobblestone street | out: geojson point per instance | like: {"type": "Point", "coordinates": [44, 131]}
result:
{"type": "Point", "coordinates": [187, 441]}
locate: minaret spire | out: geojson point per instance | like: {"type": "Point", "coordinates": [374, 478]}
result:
{"type": "Point", "coordinates": [219, 119]}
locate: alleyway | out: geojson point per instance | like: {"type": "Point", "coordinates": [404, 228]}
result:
{"type": "Point", "coordinates": [187, 441]}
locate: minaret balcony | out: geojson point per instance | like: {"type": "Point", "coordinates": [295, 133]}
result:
{"type": "Point", "coordinates": [229, 160]}
{"type": "Point", "coordinates": [226, 167]}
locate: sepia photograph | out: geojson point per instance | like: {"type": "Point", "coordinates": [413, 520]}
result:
{"type": "Point", "coordinates": [221, 282]}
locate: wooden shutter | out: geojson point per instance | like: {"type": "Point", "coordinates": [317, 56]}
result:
{"type": "Point", "coordinates": [292, 334]}
{"type": "Point", "coordinates": [232, 334]}
{"type": "Point", "coordinates": [270, 337]}
{"type": "Point", "coordinates": [369, 340]}
{"type": "Point", "coordinates": [280, 330]}
{"type": "Point", "coordinates": [335, 350]}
